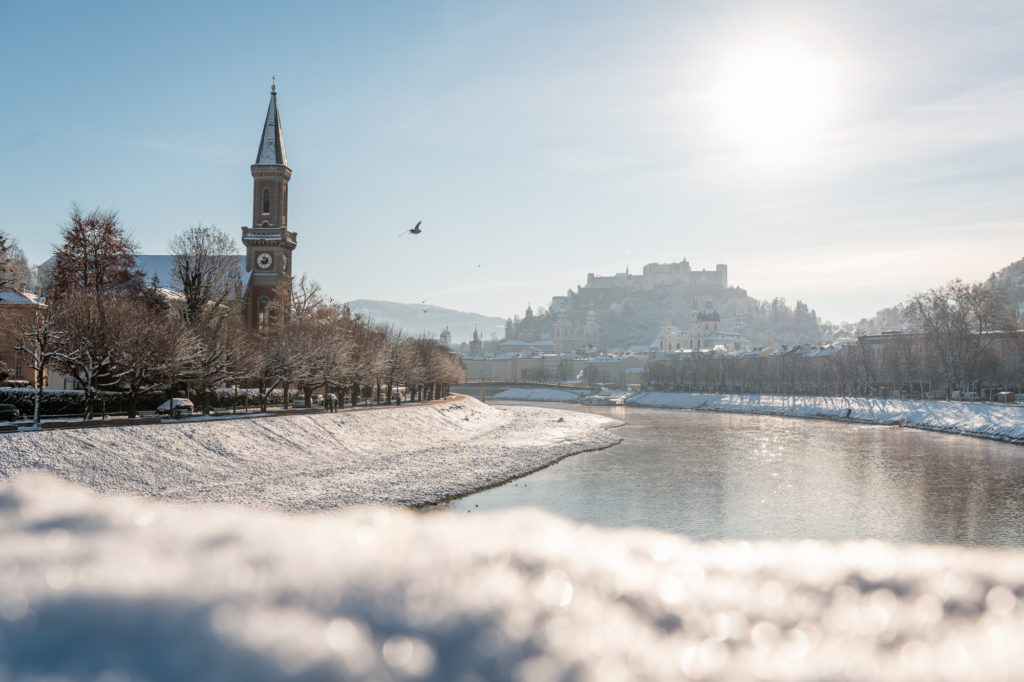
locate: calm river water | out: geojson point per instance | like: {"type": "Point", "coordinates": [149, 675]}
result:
{"type": "Point", "coordinates": [720, 476]}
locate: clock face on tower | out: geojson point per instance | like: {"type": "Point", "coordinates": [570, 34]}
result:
{"type": "Point", "coordinates": [264, 260]}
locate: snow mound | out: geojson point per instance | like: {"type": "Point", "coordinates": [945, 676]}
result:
{"type": "Point", "coordinates": [121, 588]}
{"type": "Point", "coordinates": [987, 420]}
{"type": "Point", "coordinates": [407, 456]}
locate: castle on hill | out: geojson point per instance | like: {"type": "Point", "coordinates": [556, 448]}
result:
{"type": "Point", "coordinates": [662, 274]}
{"type": "Point", "coordinates": [615, 308]}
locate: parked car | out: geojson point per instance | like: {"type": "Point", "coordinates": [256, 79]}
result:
{"type": "Point", "coordinates": [9, 412]}
{"type": "Point", "coordinates": [181, 406]}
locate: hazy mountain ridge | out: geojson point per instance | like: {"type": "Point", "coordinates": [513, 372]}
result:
{"type": "Point", "coordinates": [416, 319]}
{"type": "Point", "coordinates": [1011, 278]}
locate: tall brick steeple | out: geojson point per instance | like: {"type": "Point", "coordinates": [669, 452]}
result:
{"type": "Point", "coordinates": [269, 243]}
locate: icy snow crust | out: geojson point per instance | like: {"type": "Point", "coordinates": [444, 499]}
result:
{"type": "Point", "coordinates": [108, 588]}
{"type": "Point", "coordinates": [407, 456]}
{"type": "Point", "coordinates": [984, 420]}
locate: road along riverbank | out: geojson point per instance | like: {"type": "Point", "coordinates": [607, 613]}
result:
{"type": "Point", "coordinates": [411, 456]}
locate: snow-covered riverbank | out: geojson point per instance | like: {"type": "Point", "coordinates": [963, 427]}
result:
{"type": "Point", "coordinates": [407, 456]}
{"type": "Point", "coordinates": [983, 420]}
{"type": "Point", "coordinates": [102, 588]}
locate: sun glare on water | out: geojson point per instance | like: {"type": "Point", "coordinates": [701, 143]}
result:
{"type": "Point", "coordinates": [774, 99]}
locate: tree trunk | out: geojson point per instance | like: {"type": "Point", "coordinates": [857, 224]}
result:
{"type": "Point", "coordinates": [38, 400]}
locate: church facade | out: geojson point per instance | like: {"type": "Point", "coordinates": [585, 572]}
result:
{"type": "Point", "coordinates": [268, 242]}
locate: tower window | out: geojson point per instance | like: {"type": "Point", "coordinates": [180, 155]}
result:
{"type": "Point", "coordinates": [262, 314]}
{"type": "Point", "coordinates": [266, 201]}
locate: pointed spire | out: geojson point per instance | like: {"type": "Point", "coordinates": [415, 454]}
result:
{"type": "Point", "coordinates": [271, 151]}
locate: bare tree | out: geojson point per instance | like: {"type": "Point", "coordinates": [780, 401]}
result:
{"type": "Point", "coordinates": [147, 347]}
{"type": "Point", "coordinates": [14, 271]}
{"type": "Point", "coordinates": [268, 356]}
{"type": "Point", "coordinates": [307, 297]}
{"type": "Point", "coordinates": [206, 269]}
{"type": "Point", "coordinates": [218, 358]}
{"type": "Point", "coordinates": [39, 343]}
{"type": "Point", "coordinates": [84, 350]}
{"type": "Point", "coordinates": [957, 320]}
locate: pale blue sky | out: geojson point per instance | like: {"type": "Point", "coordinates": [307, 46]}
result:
{"type": "Point", "coordinates": [537, 141]}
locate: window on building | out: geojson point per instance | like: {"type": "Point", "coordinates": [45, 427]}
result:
{"type": "Point", "coordinates": [17, 370]}
{"type": "Point", "coordinates": [262, 313]}
{"type": "Point", "coordinates": [266, 201]}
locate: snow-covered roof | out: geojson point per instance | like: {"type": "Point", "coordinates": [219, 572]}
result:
{"type": "Point", "coordinates": [20, 298]}
{"type": "Point", "coordinates": [604, 359]}
{"type": "Point", "coordinates": [162, 265]}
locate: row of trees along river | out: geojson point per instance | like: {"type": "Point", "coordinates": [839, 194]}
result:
{"type": "Point", "coordinates": [958, 337]}
{"type": "Point", "coordinates": [108, 328]}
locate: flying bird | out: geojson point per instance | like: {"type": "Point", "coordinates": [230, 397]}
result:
{"type": "Point", "coordinates": [412, 230]}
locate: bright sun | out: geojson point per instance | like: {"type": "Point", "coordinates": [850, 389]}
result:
{"type": "Point", "coordinates": [774, 98]}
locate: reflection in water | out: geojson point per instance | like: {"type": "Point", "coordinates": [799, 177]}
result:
{"type": "Point", "coordinates": [721, 476]}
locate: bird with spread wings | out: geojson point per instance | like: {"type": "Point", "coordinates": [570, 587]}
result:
{"type": "Point", "coordinates": [412, 230]}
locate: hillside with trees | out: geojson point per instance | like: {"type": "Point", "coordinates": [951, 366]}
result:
{"type": "Point", "coordinates": [634, 318]}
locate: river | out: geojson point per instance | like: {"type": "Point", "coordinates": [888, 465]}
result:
{"type": "Point", "coordinates": [713, 476]}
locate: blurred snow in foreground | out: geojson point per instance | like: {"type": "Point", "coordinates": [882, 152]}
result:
{"type": "Point", "coordinates": [105, 588]}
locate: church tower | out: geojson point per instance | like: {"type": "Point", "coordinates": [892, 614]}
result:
{"type": "Point", "coordinates": [269, 243]}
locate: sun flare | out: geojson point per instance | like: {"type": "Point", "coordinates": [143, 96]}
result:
{"type": "Point", "coordinates": [774, 98]}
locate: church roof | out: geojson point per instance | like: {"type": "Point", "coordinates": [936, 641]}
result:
{"type": "Point", "coordinates": [162, 265]}
{"type": "Point", "coordinates": [271, 151]}
{"type": "Point", "coordinates": [20, 298]}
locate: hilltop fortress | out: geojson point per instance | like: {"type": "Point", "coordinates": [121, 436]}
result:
{"type": "Point", "coordinates": [662, 274]}
{"type": "Point", "coordinates": [602, 291]}
{"type": "Point", "coordinates": [625, 309]}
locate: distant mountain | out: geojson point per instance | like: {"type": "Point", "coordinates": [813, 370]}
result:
{"type": "Point", "coordinates": [1011, 278]}
{"type": "Point", "coordinates": [422, 318]}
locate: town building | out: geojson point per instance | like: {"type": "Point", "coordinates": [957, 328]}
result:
{"type": "Point", "coordinates": [20, 311]}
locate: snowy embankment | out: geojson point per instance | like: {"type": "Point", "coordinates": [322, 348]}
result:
{"type": "Point", "coordinates": [119, 588]}
{"type": "Point", "coordinates": [407, 456]}
{"type": "Point", "coordinates": [985, 420]}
